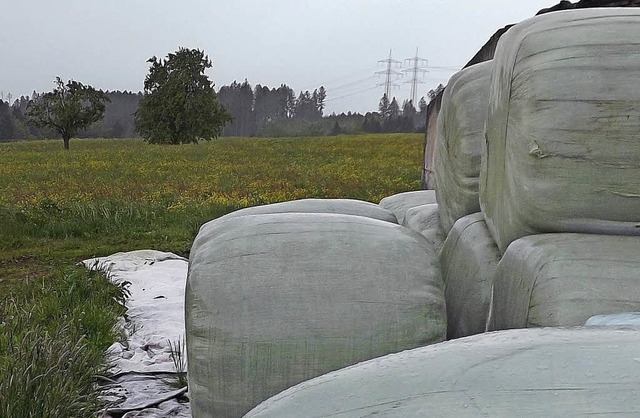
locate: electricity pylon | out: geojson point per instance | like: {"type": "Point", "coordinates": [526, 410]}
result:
{"type": "Point", "coordinates": [389, 73]}
{"type": "Point", "coordinates": [416, 68]}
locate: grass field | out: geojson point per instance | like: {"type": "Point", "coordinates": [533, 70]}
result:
{"type": "Point", "coordinates": [110, 195]}
{"type": "Point", "coordinates": [103, 196]}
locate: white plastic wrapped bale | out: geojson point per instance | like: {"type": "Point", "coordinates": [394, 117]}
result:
{"type": "Point", "coordinates": [401, 202]}
{"type": "Point", "coordinates": [468, 261]}
{"type": "Point", "coordinates": [459, 143]}
{"type": "Point", "coordinates": [517, 373]}
{"type": "Point", "coordinates": [564, 279]}
{"type": "Point", "coordinates": [276, 299]}
{"type": "Point", "coordinates": [562, 128]}
{"type": "Point", "coordinates": [425, 220]}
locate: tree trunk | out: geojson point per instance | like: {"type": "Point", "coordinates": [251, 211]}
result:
{"type": "Point", "coordinates": [65, 141]}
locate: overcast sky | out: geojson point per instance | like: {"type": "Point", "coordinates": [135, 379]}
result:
{"type": "Point", "coordinates": [302, 43]}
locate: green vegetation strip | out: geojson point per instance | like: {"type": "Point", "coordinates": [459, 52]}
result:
{"type": "Point", "coordinates": [54, 332]}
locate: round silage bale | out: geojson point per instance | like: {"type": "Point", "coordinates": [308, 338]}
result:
{"type": "Point", "coordinates": [276, 299]}
{"type": "Point", "coordinates": [336, 206]}
{"type": "Point", "coordinates": [459, 144]}
{"type": "Point", "coordinates": [468, 261]}
{"type": "Point", "coordinates": [562, 146]}
{"type": "Point", "coordinates": [425, 220]}
{"type": "Point", "coordinates": [550, 280]}
{"type": "Point", "coordinates": [517, 373]}
{"type": "Point", "coordinates": [401, 202]}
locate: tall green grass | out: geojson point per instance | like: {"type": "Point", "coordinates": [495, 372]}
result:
{"type": "Point", "coordinates": [54, 332]}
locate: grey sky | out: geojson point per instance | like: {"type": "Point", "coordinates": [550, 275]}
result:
{"type": "Point", "coordinates": [303, 43]}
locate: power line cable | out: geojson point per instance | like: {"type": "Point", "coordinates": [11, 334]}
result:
{"type": "Point", "coordinates": [353, 83]}
{"type": "Point", "coordinates": [351, 94]}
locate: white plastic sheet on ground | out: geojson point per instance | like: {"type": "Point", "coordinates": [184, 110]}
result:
{"type": "Point", "coordinates": [564, 279]}
{"type": "Point", "coordinates": [517, 373]}
{"type": "Point", "coordinates": [468, 261]}
{"type": "Point", "coordinates": [276, 299]}
{"type": "Point", "coordinates": [459, 143]}
{"type": "Point", "coordinates": [562, 129]}
{"type": "Point", "coordinates": [425, 220]}
{"type": "Point", "coordinates": [155, 316]}
{"type": "Point", "coordinates": [401, 202]}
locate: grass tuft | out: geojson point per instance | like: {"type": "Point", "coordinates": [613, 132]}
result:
{"type": "Point", "coordinates": [177, 354]}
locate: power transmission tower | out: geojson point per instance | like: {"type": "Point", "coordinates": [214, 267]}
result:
{"type": "Point", "coordinates": [416, 68]}
{"type": "Point", "coordinates": [389, 73]}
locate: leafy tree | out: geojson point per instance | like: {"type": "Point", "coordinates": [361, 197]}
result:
{"type": "Point", "coordinates": [180, 105]}
{"type": "Point", "coordinates": [67, 109]}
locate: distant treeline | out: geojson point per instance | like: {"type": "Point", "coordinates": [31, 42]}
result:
{"type": "Point", "coordinates": [117, 122]}
{"type": "Point", "coordinates": [264, 111]}
{"type": "Point", "coordinates": [259, 111]}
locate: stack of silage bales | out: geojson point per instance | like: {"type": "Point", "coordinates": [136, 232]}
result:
{"type": "Point", "coordinates": [283, 293]}
{"type": "Point", "coordinates": [541, 213]}
{"type": "Point", "coordinates": [554, 243]}
{"type": "Point", "coordinates": [556, 116]}
{"type": "Point", "coordinates": [563, 156]}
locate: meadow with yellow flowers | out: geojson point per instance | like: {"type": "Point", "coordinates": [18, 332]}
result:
{"type": "Point", "coordinates": [115, 195]}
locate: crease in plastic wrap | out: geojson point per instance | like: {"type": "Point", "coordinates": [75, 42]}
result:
{"type": "Point", "coordinates": [562, 152]}
{"type": "Point", "coordinates": [549, 372]}
{"type": "Point", "coordinates": [468, 261]}
{"type": "Point", "coordinates": [550, 280]}
{"type": "Point", "coordinates": [459, 143]}
{"type": "Point", "coordinates": [276, 299]}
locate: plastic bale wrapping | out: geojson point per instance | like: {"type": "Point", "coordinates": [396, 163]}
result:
{"type": "Point", "coordinates": [459, 143]}
{"type": "Point", "coordinates": [468, 261]}
{"type": "Point", "coordinates": [564, 279]}
{"type": "Point", "coordinates": [401, 202]}
{"type": "Point", "coordinates": [425, 220]}
{"type": "Point", "coordinates": [516, 373]}
{"type": "Point", "coordinates": [562, 149]}
{"type": "Point", "coordinates": [276, 299]}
